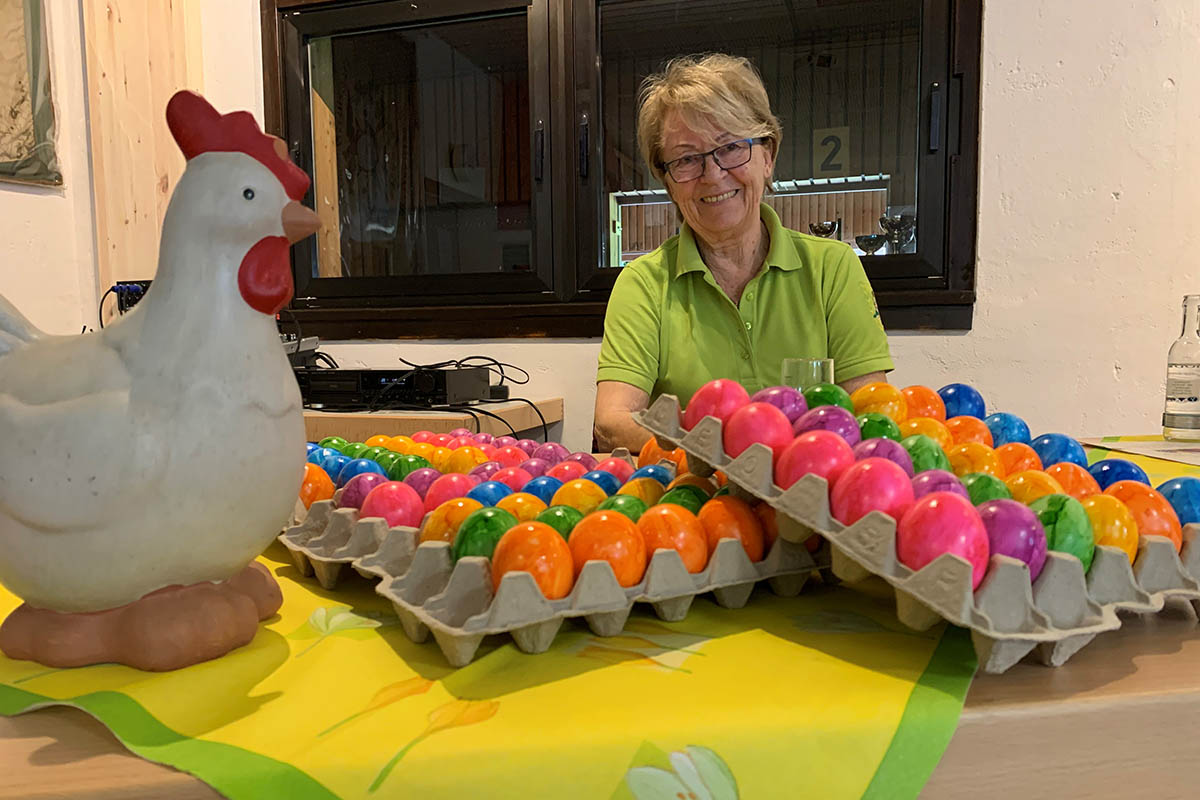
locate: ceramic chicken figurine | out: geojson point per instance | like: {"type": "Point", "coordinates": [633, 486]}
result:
{"type": "Point", "coordinates": [145, 466]}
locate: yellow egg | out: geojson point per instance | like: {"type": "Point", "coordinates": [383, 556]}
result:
{"type": "Point", "coordinates": [399, 444]}
{"type": "Point", "coordinates": [522, 505]}
{"type": "Point", "coordinates": [930, 427]}
{"type": "Point", "coordinates": [378, 440]}
{"type": "Point", "coordinates": [464, 459]}
{"type": "Point", "coordinates": [881, 398]}
{"type": "Point", "coordinates": [1031, 484]}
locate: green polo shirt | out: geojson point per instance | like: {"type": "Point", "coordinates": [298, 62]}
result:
{"type": "Point", "coordinates": [669, 327]}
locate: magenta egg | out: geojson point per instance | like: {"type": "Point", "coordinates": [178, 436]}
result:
{"type": "Point", "coordinates": [462, 441]}
{"type": "Point", "coordinates": [1014, 530]}
{"type": "Point", "coordinates": [788, 400]}
{"type": "Point", "coordinates": [552, 452]}
{"type": "Point", "coordinates": [885, 448]}
{"type": "Point", "coordinates": [504, 441]}
{"type": "Point", "coordinates": [718, 398]}
{"type": "Point", "coordinates": [619, 467]}
{"type": "Point", "coordinates": [460, 432]}
{"type": "Point", "coordinates": [535, 466]}
{"type": "Point", "coordinates": [757, 423]}
{"type": "Point", "coordinates": [528, 445]}
{"type": "Point", "coordinates": [486, 470]}
{"type": "Point", "coordinates": [446, 488]}
{"type": "Point", "coordinates": [943, 522]}
{"type": "Point", "coordinates": [514, 478]}
{"type": "Point", "coordinates": [587, 459]}
{"type": "Point", "coordinates": [420, 479]}
{"type": "Point", "coordinates": [829, 418]}
{"type": "Point", "coordinates": [938, 480]}
{"type": "Point", "coordinates": [873, 484]}
{"type": "Point", "coordinates": [483, 438]}
{"type": "Point", "coordinates": [396, 502]}
{"type": "Point", "coordinates": [814, 453]}
{"type": "Point", "coordinates": [358, 487]}
{"type": "Point", "coordinates": [567, 471]}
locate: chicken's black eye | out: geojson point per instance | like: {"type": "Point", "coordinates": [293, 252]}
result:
{"type": "Point", "coordinates": [248, 194]}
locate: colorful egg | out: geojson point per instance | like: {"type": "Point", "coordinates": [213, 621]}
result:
{"type": "Point", "coordinates": [1014, 530]}
{"type": "Point", "coordinates": [1074, 479]}
{"type": "Point", "coordinates": [969, 429]}
{"type": "Point", "coordinates": [537, 467]}
{"type": "Point", "coordinates": [587, 459]}
{"type": "Point", "coordinates": [421, 479]}
{"type": "Point", "coordinates": [357, 467]}
{"type": "Point", "coordinates": [731, 518]}
{"type": "Point", "coordinates": [489, 493]}
{"type": "Point", "coordinates": [788, 400]}
{"type": "Point", "coordinates": [1151, 511]}
{"type": "Point", "coordinates": [562, 518]}
{"type": "Point", "coordinates": [480, 532]}
{"type": "Point", "coordinates": [876, 426]}
{"type": "Point", "coordinates": [924, 402]}
{"type": "Point", "coordinates": [605, 480]}
{"type": "Point", "coordinates": [1006, 428]}
{"type": "Point", "coordinates": [648, 490]}
{"type": "Point", "coordinates": [656, 471]}
{"type": "Point", "coordinates": [443, 522]}
{"type": "Point", "coordinates": [834, 419]}
{"type": "Point", "coordinates": [874, 484]}
{"type": "Point", "coordinates": [969, 457]}
{"type": "Point", "coordinates": [940, 523]}
{"type": "Point", "coordinates": [672, 527]}
{"type": "Point", "coordinates": [1068, 529]}
{"type": "Point", "coordinates": [827, 394]}
{"type": "Point", "coordinates": [885, 448]}
{"type": "Point", "coordinates": [937, 480]}
{"type": "Point", "coordinates": [543, 488]}
{"type": "Point", "coordinates": [1184, 496]}
{"type": "Point", "coordinates": [316, 486]}
{"type": "Point", "coordinates": [358, 487]}
{"type": "Point", "coordinates": [580, 494]}
{"type": "Point", "coordinates": [982, 488]}
{"type": "Point", "coordinates": [396, 502]}
{"type": "Point", "coordinates": [1108, 471]}
{"type": "Point", "coordinates": [514, 478]}
{"type": "Point", "coordinates": [1055, 447]}
{"type": "Point", "coordinates": [538, 549]}
{"type": "Point", "coordinates": [1028, 486]}
{"type": "Point", "coordinates": [718, 398]}
{"type": "Point", "coordinates": [880, 397]}
{"type": "Point", "coordinates": [925, 453]}
{"type": "Point", "coordinates": [553, 452]}
{"type": "Point", "coordinates": [522, 505]}
{"type": "Point", "coordinates": [617, 466]}
{"type": "Point", "coordinates": [758, 423]}
{"type": "Point", "coordinates": [820, 453]}
{"type": "Point", "coordinates": [609, 536]}
{"type": "Point", "coordinates": [567, 471]}
{"type": "Point", "coordinates": [1017, 457]}
{"type": "Point", "coordinates": [446, 488]}
{"type": "Point", "coordinates": [399, 444]}
{"type": "Point", "coordinates": [485, 471]}
{"type": "Point", "coordinates": [626, 504]}
{"type": "Point", "coordinates": [927, 426]}
{"type": "Point", "coordinates": [962, 401]}
{"type": "Point", "coordinates": [1112, 523]}
{"type": "Point", "coordinates": [690, 497]}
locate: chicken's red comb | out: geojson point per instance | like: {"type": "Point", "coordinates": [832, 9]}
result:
{"type": "Point", "coordinates": [200, 128]}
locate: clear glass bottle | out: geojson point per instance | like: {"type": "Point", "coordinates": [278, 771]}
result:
{"type": "Point", "coordinates": [1181, 415]}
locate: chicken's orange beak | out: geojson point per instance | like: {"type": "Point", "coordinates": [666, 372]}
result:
{"type": "Point", "coordinates": [299, 222]}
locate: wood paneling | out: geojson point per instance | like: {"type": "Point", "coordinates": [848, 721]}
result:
{"type": "Point", "coordinates": [138, 54]}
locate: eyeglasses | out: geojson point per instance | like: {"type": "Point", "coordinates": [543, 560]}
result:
{"type": "Point", "coordinates": [727, 156]}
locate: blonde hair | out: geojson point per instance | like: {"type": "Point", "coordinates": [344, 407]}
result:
{"type": "Point", "coordinates": [711, 89]}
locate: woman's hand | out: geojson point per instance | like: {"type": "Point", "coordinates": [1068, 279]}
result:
{"type": "Point", "coordinates": [614, 427]}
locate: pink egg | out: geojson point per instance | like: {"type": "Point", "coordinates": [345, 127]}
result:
{"type": "Point", "coordinates": [510, 456]}
{"type": "Point", "coordinates": [446, 488]}
{"type": "Point", "coordinates": [718, 398]}
{"type": "Point", "coordinates": [616, 466]}
{"type": "Point", "coordinates": [358, 487]}
{"type": "Point", "coordinates": [552, 452]}
{"type": "Point", "coordinates": [462, 441]}
{"type": "Point", "coordinates": [460, 432]}
{"type": "Point", "coordinates": [489, 450]}
{"type": "Point", "coordinates": [514, 478]}
{"type": "Point", "coordinates": [757, 423]}
{"type": "Point", "coordinates": [528, 445]}
{"type": "Point", "coordinates": [396, 502]}
{"type": "Point", "coordinates": [440, 439]}
{"type": "Point", "coordinates": [567, 471]}
{"type": "Point", "coordinates": [943, 522]}
{"type": "Point", "coordinates": [504, 441]}
{"type": "Point", "coordinates": [788, 400]}
{"type": "Point", "coordinates": [536, 466]}
{"type": "Point", "coordinates": [421, 436]}
{"type": "Point", "coordinates": [822, 453]}
{"type": "Point", "coordinates": [483, 438]}
{"type": "Point", "coordinates": [873, 484]}
{"type": "Point", "coordinates": [486, 470]}
{"type": "Point", "coordinates": [587, 459]}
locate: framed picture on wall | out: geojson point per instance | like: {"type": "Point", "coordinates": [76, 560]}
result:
{"type": "Point", "coordinates": [27, 153]}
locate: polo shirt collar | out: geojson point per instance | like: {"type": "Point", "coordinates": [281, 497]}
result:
{"type": "Point", "coordinates": [782, 253]}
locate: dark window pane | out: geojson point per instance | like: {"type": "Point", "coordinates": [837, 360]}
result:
{"type": "Point", "coordinates": [843, 78]}
{"type": "Point", "coordinates": [420, 149]}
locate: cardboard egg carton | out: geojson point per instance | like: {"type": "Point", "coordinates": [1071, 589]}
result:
{"type": "Point", "coordinates": [1008, 615]}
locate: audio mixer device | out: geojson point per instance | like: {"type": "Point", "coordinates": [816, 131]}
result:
{"type": "Point", "coordinates": [375, 389]}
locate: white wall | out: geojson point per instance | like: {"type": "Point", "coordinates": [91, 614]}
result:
{"type": "Point", "coordinates": [1089, 203]}
{"type": "Point", "coordinates": [47, 258]}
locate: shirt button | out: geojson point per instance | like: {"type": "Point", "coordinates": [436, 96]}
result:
{"type": "Point", "coordinates": [747, 326]}
{"type": "Point", "coordinates": [746, 355]}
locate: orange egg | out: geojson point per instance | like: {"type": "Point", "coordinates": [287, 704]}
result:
{"type": "Point", "coordinates": [439, 459]}
{"type": "Point", "coordinates": [727, 517]}
{"type": "Point", "coordinates": [613, 537]}
{"type": "Point", "coordinates": [1031, 484]}
{"type": "Point", "coordinates": [881, 398]}
{"type": "Point", "coordinates": [316, 485]}
{"type": "Point", "coordinates": [1153, 513]}
{"type": "Point", "coordinates": [399, 444]}
{"type": "Point", "coordinates": [770, 524]}
{"type": "Point", "coordinates": [924, 402]}
{"type": "Point", "coordinates": [688, 479]}
{"type": "Point", "coordinates": [422, 449]}
{"type": "Point", "coordinates": [378, 440]}
{"type": "Point", "coordinates": [522, 505]}
{"type": "Point", "coordinates": [969, 457]}
{"type": "Point", "coordinates": [721, 478]}
{"type": "Point", "coordinates": [1016, 457]}
{"type": "Point", "coordinates": [442, 523]}
{"type": "Point", "coordinates": [538, 549]}
{"type": "Point", "coordinates": [1075, 480]}
{"type": "Point", "coordinates": [1112, 523]}
{"type": "Point", "coordinates": [930, 427]}
{"type": "Point", "coordinates": [464, 459]}
{"type": "Point", "coordinates": [651, 453]}
{"type": "Point", "coordinates": [672, 527]}
{"type": "Point", "coordinates": [969, 429]}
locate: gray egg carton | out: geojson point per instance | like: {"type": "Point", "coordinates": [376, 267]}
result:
{"type": "Point", "coordinates": [1008, 615]}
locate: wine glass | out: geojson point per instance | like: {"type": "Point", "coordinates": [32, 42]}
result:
{"type": "Point", "coordinates": [870, 243]}
{"type": "Point", "coordinates": [823, 229]}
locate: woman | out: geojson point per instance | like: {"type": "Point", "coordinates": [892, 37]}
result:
{"type": "Point", "coordinates": [734, 293]}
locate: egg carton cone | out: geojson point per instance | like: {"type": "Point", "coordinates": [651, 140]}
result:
{"type": "Point", "coordinates": [1009, 615]}
{"type": "Point", "coordinates": [330, 538]}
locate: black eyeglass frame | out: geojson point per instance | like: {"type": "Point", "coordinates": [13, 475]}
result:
{"type": "Point", "coordinates": [665, 166]}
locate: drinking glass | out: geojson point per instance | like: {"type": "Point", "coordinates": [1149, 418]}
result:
{"type": "Point", "coordinates": [801, 373]}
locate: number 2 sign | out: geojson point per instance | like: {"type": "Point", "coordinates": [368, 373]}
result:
{"type": "Point", "coordinates": [831, 152]}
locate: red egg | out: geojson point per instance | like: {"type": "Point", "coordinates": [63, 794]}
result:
{"type": "Point", "coordinates": [873, 484]}
{"type": "Point", "coordinates": [943, 522]}
{"type": "Point", "coordinates": [396, 502]}
{"type": "Point", "coordinates": [619, 467]}
{"type": "Point", "coordinates": [510, 456]}
{"type": "Point", "coordinates": [488, 450]}
{"type": "Point", "coordinates": [567, 471]}
{"type": "Point", "coordinates": [821, 452]}
{"type": "Point", "coordinates": [757, 422]}
{"type": "Point", "coordinates": [440, 439]}
{"type": "Point", "coordinates": [422, 436]}
{"type": "Point", "coordinates": [448, 487]}
{"type": "Point", "coordinates": [462, 441]}
{"type": "Point", "coordinates": [718, 398]}
{"type": "Point", "coordinates": [514, 478]}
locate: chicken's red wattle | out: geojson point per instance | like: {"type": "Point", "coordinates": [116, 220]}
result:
{"type": "Point", "coordinates": [265, 276]}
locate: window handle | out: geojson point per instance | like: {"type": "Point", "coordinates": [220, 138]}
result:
{"type": "Point", "coordinates": [935, 117]}
{"type": "Point", "coordinates": [583, 146]}
{"type": "Point", "coordinates": [539, 150]}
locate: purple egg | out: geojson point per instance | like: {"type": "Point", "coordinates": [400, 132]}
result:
{"type": "Point", "coordinates": [419, 479]}
{"type": "Point", "coordinates": [587, 459]}
{"type": "Point", "coordinates": [536, 466]}
{"type": "Point", "coordinates": [551, 452]}
{"type": "Point", "coordinates": [829, 418]}
{"type": "Point", "coordinates": [937, 480]}
{"type": "Point", "coordinates": [528, 445]}
{"type": "Point", "coordinates": [1014, 530]}
{"type": "Point", "coordinates": [460, 432]}
{"type": "Point", "coordinates": [358, 487]}
{"type": "Point", "coordinates": [885, 448]}
{"type": "Point", "coordinates": [486, 470]}
{"type": "Point", "coordinates": [788, 400]}
{"type": "Point", "coordinates": [503, 441]}
{"type": "Point", "coordinates": [483, 438]}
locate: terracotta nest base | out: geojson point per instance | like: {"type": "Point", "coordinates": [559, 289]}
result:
{"type": "Point", "coordinates": [170, 628]}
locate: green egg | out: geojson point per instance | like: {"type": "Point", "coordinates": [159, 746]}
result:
{"type": "Point", "coordinates": [333, 442]}
{"type": "Point", "coordinates": [352, 449]}
{"type": "Point", "coordinates": [626, 504]}
{"type": "Point", "coordinates": [828, 394]}
{"type": "Point", "coordinates": [562, 518]}
{"type": "Point", "coordinates": [983, 487]}
{"type": "Point", "coordinates": [690, 497]}
{"type": "Point", "coordinates": [403, 465]}
{"type": "Point", "coordinates": [1068, 529]}
{"type": "Point", "coordinates": [480, 532]}
{"type": "Point", "coordinates": [925, 453]}
{"type": "Point", "coordinates": [874, 425]}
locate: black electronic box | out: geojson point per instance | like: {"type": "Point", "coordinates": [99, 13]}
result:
{"type": "Point", "coordinates": [379, 389]}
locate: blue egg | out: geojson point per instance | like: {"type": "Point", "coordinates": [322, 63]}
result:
{"type": "Point", "coordinates": [1110, 470]}
{"type": "Point", "coordinates": [1184, 496]}
{"type": "Point", "coordinates": [320, 454]}
{"type": "Point", "coordinates": [962, 401]}
{"type": "Point", "coordinates": [543, 488]}
{"type": "Point", "coordinates": [1055, 448]}
{"type": "Point", "coordinates": [605, 480]}
{"type": "Point", "coordinates": [311, 446]}
{"type": "Point", "coordinates": [333, 464]}
{"type": "Point", "coordinates": [357, 467]}
{"type": "Point", "coordinates": [1007, 428]}
{"type": "Point", "coordinates": [489, 492]}
{"type": "Point", "coordinates": [656, 471]}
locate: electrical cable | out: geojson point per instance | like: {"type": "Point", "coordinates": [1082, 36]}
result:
{"type": "Point", "coordinates": [536, 410]}
{"type": "Point", "coordinates": [100, 308]}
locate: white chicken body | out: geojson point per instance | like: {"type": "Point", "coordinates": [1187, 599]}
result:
{"type": "Point", "coordinates": [168, 448]}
